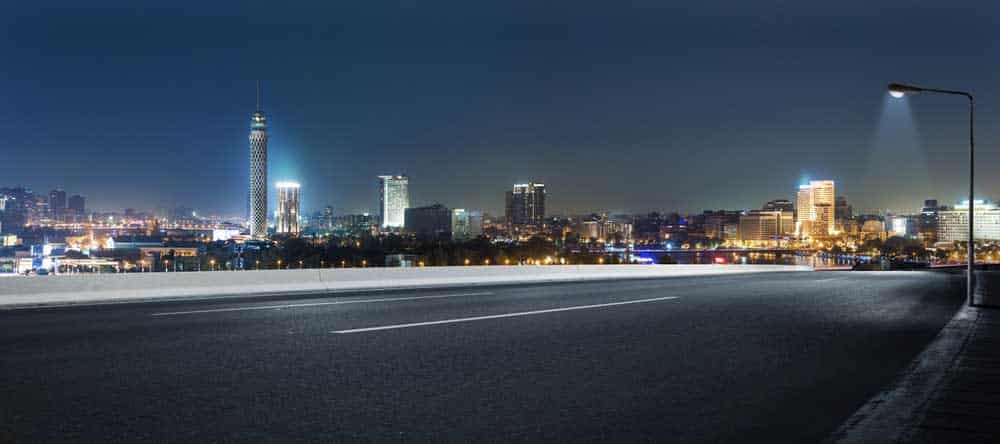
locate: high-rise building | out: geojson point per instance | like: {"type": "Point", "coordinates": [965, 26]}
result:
{"type": "Point", "coordinates": [257, 198]}
{"type": "Point", "coordinates": [953, 224]}
{"type": "Point", "coordinates": [766, 226]}
{"type": "Point", "coordinates": [815, 204]}
{"type": "Point", "coordinates": [326, 218]}
{"type": "Point", "coordinates": [466, 224]}
{"type": "Point", "coordinates": [842, 211]}
{"type": "Point", "coordinates": [57, 203]}
{"type": "Point", "coordinates": [431, 221]}
{"type": "Point", "coordinates": [286, 213]}
{"type": "Point", "coordinates": [77, 204]}
{"type": "Point", "coordinates": [17, 204]}
{"type": "Point", "coordinates": [526, 205]}
{"type": "Point", "coordinates": [927, 224]}
{"type": "Point", "coordinates": [394, 199]}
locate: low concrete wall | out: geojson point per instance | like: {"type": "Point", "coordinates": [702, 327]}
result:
{"type": "Point", "coordinates": [75, 289]}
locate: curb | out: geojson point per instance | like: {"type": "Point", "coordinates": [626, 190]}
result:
{"type": "Point", "coordinates": [893, 414]}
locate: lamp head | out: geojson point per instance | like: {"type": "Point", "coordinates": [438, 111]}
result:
{"type": "Point", "coordinates": [899, 90]}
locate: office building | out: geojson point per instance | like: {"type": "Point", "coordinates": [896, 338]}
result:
{"type": "Point", "coordinates": [257, 199]}
{"type": "Point", "coordinates": [526, 205]}
{"type": "Point", "coordinates": [394, 199]}
{"type": "Point", "coordinates": [815, 212]}
{"type": "Point", "coordinates": [286, 212]}
{"type": "Point", "coordinates": [57, 203]}
{"type": "Point", "coordinates": [77, 203]}
{"type": "Point", "coordinates": [722, 224]}
{"type": "Point", "coordinates": [927, 224]}
{"type": "Point", "coordinates": [841, 210]}
{"type": "Point", "coordinates": [432, 221]}
{"type": "Point", "coordinates": [465, 224]}
{"type": "Point", "coordinates": [766, 226]}
{"type": "Point", "coordinates": [953, 224]}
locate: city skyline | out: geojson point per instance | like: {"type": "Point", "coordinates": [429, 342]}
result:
{"type": "Point", "coordinates": [544, 102]}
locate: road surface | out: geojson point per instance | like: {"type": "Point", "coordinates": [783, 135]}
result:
{"type": "Point", "coordinates": [769, 357]}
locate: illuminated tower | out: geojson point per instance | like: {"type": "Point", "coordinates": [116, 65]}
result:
{"type": "Point", "coordinates": [394, 199]}
{"type": "Point", "coordinates": [258, 173]}
{"type": "Point", "coordinates": [526, 205]}
{"type": "Point", "coordinates": [816, 203]}
{"type": "Point", "coordinates": [286, 214]}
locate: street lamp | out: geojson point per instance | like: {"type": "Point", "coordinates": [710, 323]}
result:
{"type": "Point", "coordinates": [899, 90]}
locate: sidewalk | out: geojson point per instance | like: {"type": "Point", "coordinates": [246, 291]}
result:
{"type": "Point", "coordinates": [966, 406]}
{"type": "Point", "coordinates": [950, 393]}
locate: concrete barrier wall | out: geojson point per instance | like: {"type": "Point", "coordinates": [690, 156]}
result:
{"type": "Point", "coordinates": [69, 289]}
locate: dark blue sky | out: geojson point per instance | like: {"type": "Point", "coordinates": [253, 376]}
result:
{"type": "Point", "coordinates": [614, 105]}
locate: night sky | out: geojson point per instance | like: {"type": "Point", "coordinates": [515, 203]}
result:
{"type": "Point", "coordinates": [623, 106]}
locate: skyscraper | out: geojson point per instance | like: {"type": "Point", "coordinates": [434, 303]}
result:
{"type": "Point", "coordinates": [286, 213]}
{"type": "Point", "coordinates": [526, 205]}
{"type": "Point", "coordinates": [257, 200]}
{"type": "Point", "coordinates": [394, 199]}
{"type": "Point", "coordinates": [57, 203]}
{"type": "Point", "coordinates": [466, 225]}
{"type": "Point", "coordinates": [432, 221]}
{"type": "Point", "coordinates": [928, 223]}
{"type": "Point", "coordinates": [815, 208]}
{"type": "Point", "coordinates": [77, 204]}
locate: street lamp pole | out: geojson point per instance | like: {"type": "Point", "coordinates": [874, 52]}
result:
{"type": "Point", "coordinates": [898, 90]}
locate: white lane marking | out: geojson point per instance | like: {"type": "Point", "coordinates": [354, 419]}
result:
{"type": "Point", "coordinates": [498, 316]}
{"type": "Point", "coordinates": [316, 304]}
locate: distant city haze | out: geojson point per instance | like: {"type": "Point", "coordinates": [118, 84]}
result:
{"type": "Point", "coordinates": [678, 106]}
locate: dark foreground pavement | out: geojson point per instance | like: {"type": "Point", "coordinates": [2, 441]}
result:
{"type": "Point", "coordinates": [769, 357]}
{"type": "Point", "coordinates": [951, 391]}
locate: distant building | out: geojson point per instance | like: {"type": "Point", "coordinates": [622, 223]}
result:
{"type": "Point", "coordinates": [841, 210]}
{"type": "Point", "coordinates": [722, 224]}
{"type": "Point", "coordinates": [815, 204]}
{"type": "Point", "coordinates": [394, 199]}
{"type": "Point", "coordinates": [326, 219]}
{"type": "Point", "coordinates": [766, 226]}
{"type": "Point", "coordinates": [927, 224]}
{"type": "Point", "coordinates": [783, 205]}
{"type": "Point", "coordinates": [356, 224]}
{"type": "Point", "coordinates": [17, 203]}
{"type": "Point", "coordinates": [601, 228]}
{"type": "Point", "coordinates": [526, 205]}
{"type": "Point", "coordinates": [873, 229]}
{"type": "Point", "coordinates": [286, 213]}
{"type": "Point", "coordinates": [953, 224]}
{"type": "Point", "coordinates": [134, 241]}
{"type": "Point", "coordinates": [466, 224]}
{"type": "Point", "coordinates": [431, 221]}
{"type": "Point", "coordinates": [77, 203]}
{"type": "Point", "coordinates": [904, 226]}
{"type": "Point", "coordinates": [57, 203]}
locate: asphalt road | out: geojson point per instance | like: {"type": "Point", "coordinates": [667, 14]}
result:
{"type": "Point", "coordinates": [771, 357]}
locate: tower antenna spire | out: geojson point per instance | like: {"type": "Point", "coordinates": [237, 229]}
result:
{"type": "Point", "coordinates": [258, 95]}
